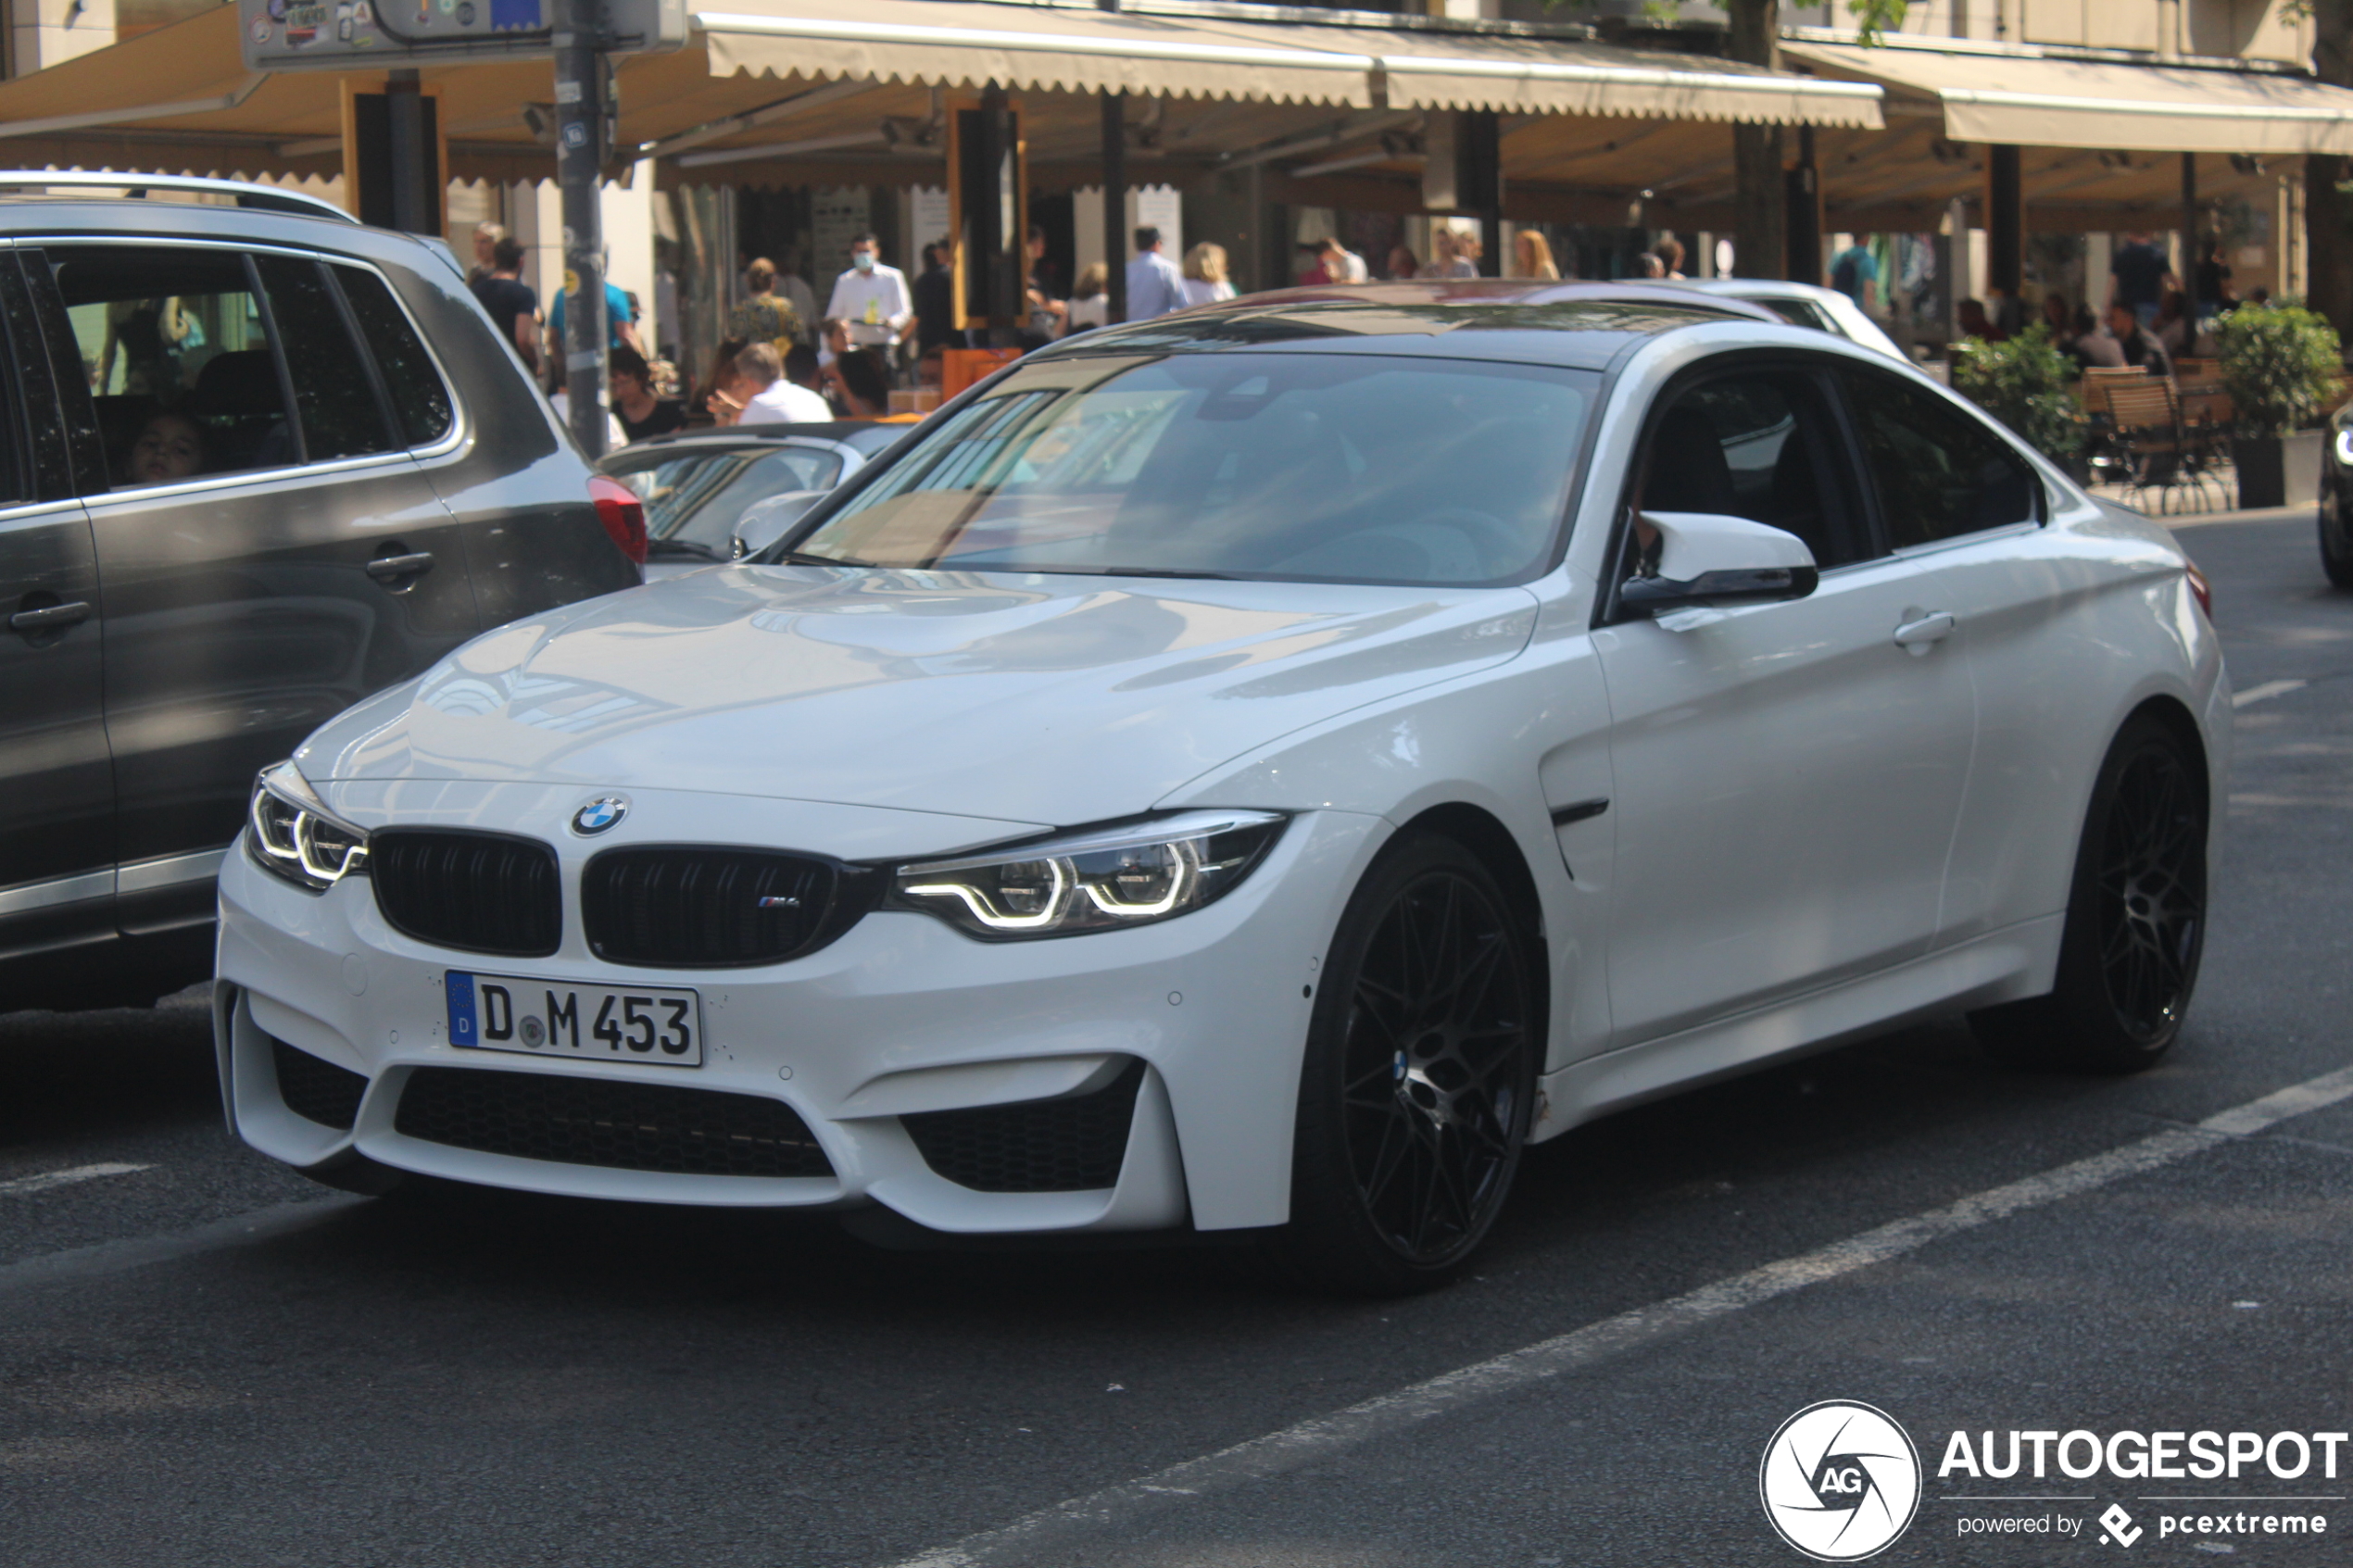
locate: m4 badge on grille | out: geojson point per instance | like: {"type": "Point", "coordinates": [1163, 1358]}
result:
{"type": "Point", "coordinates": [599, 814]}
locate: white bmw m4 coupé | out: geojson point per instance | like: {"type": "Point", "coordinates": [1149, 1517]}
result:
{"type": "Point", "coordinates": [1257, 771]}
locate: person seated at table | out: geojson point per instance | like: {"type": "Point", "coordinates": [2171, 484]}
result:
{"type": "Point", "coordinates": [2139, 346]}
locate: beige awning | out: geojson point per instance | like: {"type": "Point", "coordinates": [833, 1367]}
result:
{"type": "Point", "coordinates": [1067, 48]}
{"type": "Point", "coordinates": [2033, 102]}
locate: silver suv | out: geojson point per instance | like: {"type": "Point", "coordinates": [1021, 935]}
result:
{"type": "Point", "coordinates": [256, 462]}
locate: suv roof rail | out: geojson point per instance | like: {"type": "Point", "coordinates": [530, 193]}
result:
{"type": "Point", "coordinates": [265, 198]}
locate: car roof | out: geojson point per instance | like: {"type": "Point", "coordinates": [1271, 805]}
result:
{"type": "Point", "coordinates": [1742, 288]}
{"type": "Point", "coordinates": [1581, 324]}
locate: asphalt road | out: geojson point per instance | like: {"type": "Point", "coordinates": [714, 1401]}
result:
{"type": "Point", "coordinates": [204, 1360]}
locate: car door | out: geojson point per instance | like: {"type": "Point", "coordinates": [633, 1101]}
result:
{"type": "Point", "coordinates": [56, 784]}
{"type": "Point", "coordinates": [1785, 776]}
{"type": "Point", "coordinates": [1967, 511]}
{"type": "Point", "coordinates": [268, 552]}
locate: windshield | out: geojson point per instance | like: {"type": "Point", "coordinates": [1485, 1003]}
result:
{"type": "Point", "coordinates": [1352, 468]}
{"type": "Point", "coordinates": [695, 497]}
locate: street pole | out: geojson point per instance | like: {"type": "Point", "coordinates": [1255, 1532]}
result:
{"type": "Point", "coordinates": [580, 133]}
{"type": "Point", "coordinates": [413, 209]}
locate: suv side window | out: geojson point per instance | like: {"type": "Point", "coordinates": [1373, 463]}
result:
{"type": "Point", "coordinates": [419, 402]}
{"type": "Point", "coordinates": [177, 356]}
{"type": "Point", "coordinates": [1940, 473]}
{"type": "Point", "coordinates": [1759, 445]}
{"type": "Point", "coordinates": [341, 416]}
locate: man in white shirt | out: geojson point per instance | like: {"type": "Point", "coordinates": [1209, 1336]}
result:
{"type": "Point", "coordinates": [774, 400]}
{"type": "Point", "coordinates": [1154, 285]}
{"type": "Point", "coordinates": [871, 299]}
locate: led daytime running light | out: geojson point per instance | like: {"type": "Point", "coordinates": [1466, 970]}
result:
{"type": "Point", "coordinates": [294, 836]}
{"type": "Point", "coordinates": [1094, 879]}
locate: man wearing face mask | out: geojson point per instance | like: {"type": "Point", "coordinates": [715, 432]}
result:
{"type": "Point", "coordinates": [872, 298]}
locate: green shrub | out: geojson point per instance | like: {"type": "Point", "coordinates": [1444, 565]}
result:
{"type": "Point", "coordinates": [2279, 365]}
{"type": "Point", "coordinates": [2023, 383]}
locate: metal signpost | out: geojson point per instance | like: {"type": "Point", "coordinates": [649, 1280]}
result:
{"type": "Point", "coordinates": [389, 36]}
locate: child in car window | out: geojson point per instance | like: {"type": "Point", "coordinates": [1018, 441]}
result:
{"type": "Point", "coordinates": [169, 447]}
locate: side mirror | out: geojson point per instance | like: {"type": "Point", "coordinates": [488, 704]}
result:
{"type": "Point", "coordinates": [1705, 558]}
{"type": "Point", "coordinates": [764, 523]}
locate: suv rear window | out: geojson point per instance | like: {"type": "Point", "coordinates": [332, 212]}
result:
{"type": "Point", "coordinates": [420, 401]}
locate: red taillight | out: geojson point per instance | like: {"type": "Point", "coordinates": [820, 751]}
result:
{"type": "Point", "coordinates": [622, 513]}
{"type": "Point", "coordinates": [2201, 588]}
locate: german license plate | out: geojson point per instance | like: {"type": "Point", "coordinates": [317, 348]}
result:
{"type": "Point", "coordinates": [501, 1012]}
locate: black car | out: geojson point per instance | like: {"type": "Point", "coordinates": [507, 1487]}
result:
{"type": "Point", "coordinates": [2336, 499]}
{"type": "Point", "coordinates": [256, 461]}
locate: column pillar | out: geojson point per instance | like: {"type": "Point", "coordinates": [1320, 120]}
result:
{"type": "Point", "coordinates": [1115, 236]}
{"type": "Point", "coordinates": [2005, 221]}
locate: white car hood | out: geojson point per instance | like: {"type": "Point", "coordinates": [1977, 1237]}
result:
{"type": "Point", "coordinates": [1058, 699]}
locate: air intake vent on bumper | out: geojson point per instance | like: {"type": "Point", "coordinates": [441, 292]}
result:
{"type": "Point", "coordinates": [693, 907]}
{"type": "Point", "coordinates": [315, 1090]}
{"type": "Point", "coordinates": [598, 1122]}
{"type": "Point", "coordinates": [477, 892]}
{"type": "Point", "coordinates": [1072, 1145]}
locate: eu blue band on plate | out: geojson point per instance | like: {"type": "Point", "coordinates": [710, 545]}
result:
{"type": "Point", "coordinates": [461, 988]}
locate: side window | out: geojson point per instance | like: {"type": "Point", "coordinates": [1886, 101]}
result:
{"type": "Point", "coordinates": [1940, 473]}
{"type": "Point", "coordinates": [178, 357]}
{"type": "Point", "coordinates": [341, 417]}
{"type": "Point", "coordinates": [50, 461]}
{"type": "Point", "coordinates": [1759, 446]}
{"type": "Point", "coordinates": [420, 401]}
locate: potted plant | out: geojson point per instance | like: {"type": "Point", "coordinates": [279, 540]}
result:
{"type": "Point", "coordinates": [2280, 365]}
{"type": "Point", "coordinates": [2023, 383]}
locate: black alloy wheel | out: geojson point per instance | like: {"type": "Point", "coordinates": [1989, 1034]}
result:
{"type": "Point", "coordinates": [2135, 919]}
{"type": "Point", "coordinates": [1419, 1078]}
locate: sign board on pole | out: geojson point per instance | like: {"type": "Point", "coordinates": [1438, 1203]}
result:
{"type": "Point", "coordinates": [378, 35]}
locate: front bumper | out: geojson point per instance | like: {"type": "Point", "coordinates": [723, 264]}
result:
{"type": "Point", "coordinates": [901, 1016]}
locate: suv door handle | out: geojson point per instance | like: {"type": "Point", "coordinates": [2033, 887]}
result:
{"type": "Point", "coordinates": [391, 569]}
{"type": "Point", "coordinates": [49, 618]}
{"type": "Point", "coordinates": [1918, 635]}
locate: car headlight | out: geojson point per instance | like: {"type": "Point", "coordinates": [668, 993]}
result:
{"type": "Point", "coordinates": [2344, 444]}
{"type": "Point", "coordinates": [291, 833]}
{"type": "Point", "coordinates": [1101, 879]}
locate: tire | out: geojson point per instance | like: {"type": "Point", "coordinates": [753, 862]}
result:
{"type": "Point", "coordinates": [1419, 1076]}
{"type": "Point", "coordinates": [2336, 542]}
{"type": "Point", "coordinates": [2135, 919]}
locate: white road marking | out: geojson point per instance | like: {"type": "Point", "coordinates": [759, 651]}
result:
{"type": "Point", "coordinates": [2265, 692]}
{"type": "Point", "coordinates": [23, 1185]}
{"type": "Point", "coordinates": [1323, 1437]}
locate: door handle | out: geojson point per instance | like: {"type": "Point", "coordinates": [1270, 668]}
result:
{"type": "Point", "coordinates": [49, 618]}
{"type": "Point", "coordinates": [1920, 634]}
{"type": "Point", "coordinates": [389, 569]}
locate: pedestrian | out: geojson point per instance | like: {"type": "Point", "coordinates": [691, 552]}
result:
{"type": "Point", "coordinates": [2141, 348]}
{"type": "Point", "coordinates": [716, 398]}
{"type": "Point", "coordinates": [790, 284]}
{"type": "Point", "coordinates": [1532, 257]}
{"type": "Point", "coordinates": [1341, 265]}
{"type": "Point", "coordinates": [802, 370]}
{"type": "Point", "coordinates": [1855, 273]}
{"type": "Point", "coordinates": [2091, 346]}
{"type": "Point", "coordinates": [935, 296]}
{"type": "Point", "coordinates": [863, 382]}
{"type": "Point", "coordinates": [1205, 282]}
{"type": "Point", "coordinates": [767, 397]}
{"type": "Point", "coordinates": [1669, 251]}
{"type": "Point", "coordinates": [1090, 301]}
{"type": "Point", "coordinates": [2139, 270]}
{"type": "Point", "coordinates": [1403, 263]}
{"type": "Point", "coordinates": [2175, 327]}
{"type": "Point", "coordinates": [513, 306]}
{"type": "Point", "coordinates": [833, 339]}
{"type": "Point", "coordinates": [872, 298]}
{"type": "Point", "coordinates": [1650, 263]}
{"type": "Point", "coordinates": [765, 315]}
{"type": "Point", "coordinates": [2213, 280]}
{"type": "Point", "coordinates": [641, 413]}
{"type": "Point", "coordinates": [1042, 291]}
{"type": "Point", "coordinates": [1155, 286]}
{"type": "Point", "coordinates": [1977, 324]}
{"type": "Point", "coordinates": [621, 327]}
{"type": "Point", "coordinates": [486, 238]}
{"type": "Point", "coordinates": [1453, 256]}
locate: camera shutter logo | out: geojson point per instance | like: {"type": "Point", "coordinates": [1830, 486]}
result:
{"type": "Point", "coordinates": [1841, 1481]}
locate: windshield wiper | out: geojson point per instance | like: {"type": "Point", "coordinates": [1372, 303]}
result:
{"type": "Point", "coordinates": [803, 558]}
{"type": "Point", "coordinates": [681, 547]}
{"type": "Point", "coordinates": [1166, 572]}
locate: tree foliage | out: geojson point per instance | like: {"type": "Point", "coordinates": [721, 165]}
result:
{"type": "Point", "coordinates": [2022, 383]}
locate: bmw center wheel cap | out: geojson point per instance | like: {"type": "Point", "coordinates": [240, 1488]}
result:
{"type": "Point", "coordinates": [599, 814]}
